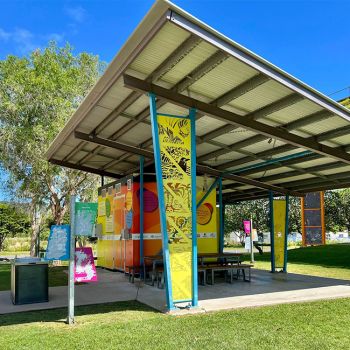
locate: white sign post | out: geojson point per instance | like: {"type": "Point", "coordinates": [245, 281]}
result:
{"type": "Point", "coordinates": [70, 319]}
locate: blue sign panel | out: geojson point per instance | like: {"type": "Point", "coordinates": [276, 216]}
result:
{"type": "Point", "coordinates": [58, 243]}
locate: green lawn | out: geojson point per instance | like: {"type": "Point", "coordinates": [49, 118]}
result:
{"type": "Point", "coordinates": [57, 276]}
{"type": "Point", "coordinates": [330, 260]}
{"type": "Point", "coordinates": [130, 325]}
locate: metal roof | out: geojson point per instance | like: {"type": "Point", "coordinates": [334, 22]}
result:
{"type": "Point", "coordinates": [255, 121]}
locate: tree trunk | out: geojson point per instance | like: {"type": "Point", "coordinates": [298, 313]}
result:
{"type": "Point", "coordinates": [35, 229]}
{"type": "Point", "coordinates": [59, 214]}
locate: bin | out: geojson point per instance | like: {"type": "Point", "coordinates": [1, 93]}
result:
{"type": "Point", "coordinates": [29, 281]}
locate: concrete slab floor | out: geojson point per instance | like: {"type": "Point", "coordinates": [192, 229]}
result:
{"type": "Point", "coordinates": [264, 289]}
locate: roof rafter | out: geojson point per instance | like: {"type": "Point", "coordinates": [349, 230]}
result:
{"type": "Point", "coordinates": [285, 148]}
{"type": "Point", "coordinates": [200, 168]}
{"type": "Point", "coordinates": [175, 57]}
{"type": "Point", "coordinates": [176, 98]}
{"type": "Point", "coordinates": [209, 64]}
{"type": "Point", "coordinates": [84, 168]}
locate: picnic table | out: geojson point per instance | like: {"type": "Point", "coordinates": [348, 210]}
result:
{"type": "Point", "coordinates": [218, 258]}
{"type": "Point", "coordinates": [155, 260]}
{"type": "Point", "coordinates": [225, 257]}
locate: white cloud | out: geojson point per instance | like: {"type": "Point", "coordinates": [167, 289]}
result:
{"type": "Point", "coordinates": [56, 37]}
{"type": "Point", "coordinates": [4, 35]}
{"type": "Point", "coordinates": [77, 14]}
{"type": "Point", "coordinates": [25, 41]}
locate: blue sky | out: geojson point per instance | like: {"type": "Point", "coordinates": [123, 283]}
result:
{"type": "Point", "coordinates": [309, 39]}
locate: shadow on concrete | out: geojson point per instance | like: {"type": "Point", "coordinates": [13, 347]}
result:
{"type": "Point", "coordinates": [263, 282]}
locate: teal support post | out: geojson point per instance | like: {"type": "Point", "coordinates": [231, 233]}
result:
{"type": "Point", "coordinates": [221, 218]}
{"type": "Point", "coordinates": [142, 160]}
{"type": "Point", "coordinates": [192, 116]}
{"type": "Point", "coordinates": [70, 318]}
{"type": "Point", "coordinates": [272, 233]}
{"type": "Point", "coordinates": [271, 161]}
{"type": "Point", "coordinates": [213, 185]}
{"type": "Point", "coordinates": [286, 236]}
{"type": "Point", "coordinates": [161, 201]}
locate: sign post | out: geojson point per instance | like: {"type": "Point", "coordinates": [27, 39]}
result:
{"type": "Point", "coordinates": [251, 241]}
{"type": "Point", "coordinates": [70, 319]}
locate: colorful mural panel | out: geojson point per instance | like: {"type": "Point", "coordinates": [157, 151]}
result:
{"type": "Point", "coordinates": [175, 146]}
{"type": "Point", "coordinates": [279, 220]}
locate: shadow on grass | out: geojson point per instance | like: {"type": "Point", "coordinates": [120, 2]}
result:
{"type": "Point", "coordinates": [328, 256]}
{"type": "Point", "coordinates": [59, 315]}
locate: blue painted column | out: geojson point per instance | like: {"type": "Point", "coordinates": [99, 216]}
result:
{"type": "Point", "coordinates": [213, 185]}
{"type": "Point", "coordinates": [286, 236]}
{"type": "Point", "coordinates": [71, 267]}
{"type": "Point", "coordinates": [142, 160]}
{"type": "Point", "coordinates": [221, 219]}
{"type": "Point", "coordinates": [161, 201]}
{"type": "Point", "coordinates": [272, 233]}
{"type": "Point", "coordinates": [192, 116]}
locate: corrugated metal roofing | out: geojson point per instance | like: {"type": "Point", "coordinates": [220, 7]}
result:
{"type": "Point", "coordinates": [174, 50]}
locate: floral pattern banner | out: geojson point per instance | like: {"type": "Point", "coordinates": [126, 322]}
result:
{"type": "Point", "coordinates": [175, 149]}
{"type": "Point", "coordinates": [279, 226]}
{"type": "Point", "coordinates": [85, 270]}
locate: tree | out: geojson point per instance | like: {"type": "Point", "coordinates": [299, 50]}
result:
{"type": "Point", "coordinates": [259, 210]}
{"type": "Point", "coordinates": [13, 221]}
{"type": "Point", "coordinates": [38, 94]}
{"type": "Point", "coordinates": [294, 215]}
{"type": "Point", "coordinates": [236, 213]}
{"type": "Point", "coordinates": [334, 214]}
{"type": "Point", "coordinates": [344, 195]}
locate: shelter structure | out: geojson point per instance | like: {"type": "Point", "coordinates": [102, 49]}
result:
{"type": "Point", "coordinates": [251, 127]}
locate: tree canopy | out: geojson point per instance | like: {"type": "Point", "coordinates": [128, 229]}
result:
{"type": "Point", "coordinates": [336, 204]}
{"type": "Point", "coordinates": [13, 221]}
{"type": "Point", "coordinates": [38, 94]}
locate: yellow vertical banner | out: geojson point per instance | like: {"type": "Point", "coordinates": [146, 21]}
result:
{"type": "Point", "coordinates": [175, 149]}
{"type": "Point", "coordinates": [207, 218]}
{"type": "Point", "coordinates": [279, 222]}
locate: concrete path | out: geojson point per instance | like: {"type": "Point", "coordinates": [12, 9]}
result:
{"type": "Point", "coordinates": [264, 289]}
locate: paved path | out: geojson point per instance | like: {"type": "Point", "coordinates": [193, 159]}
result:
{"type": "Point", "coordinates": [265, 289]}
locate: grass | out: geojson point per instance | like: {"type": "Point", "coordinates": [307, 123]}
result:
{"type": "Point", "coordinates": [330, 260]}
{"type": "Point", "coordinates": [19, 252]}
{"type": "Point", "coordinates": [57, 276]}
{"type": "Point", "coordinates": [130, 325]}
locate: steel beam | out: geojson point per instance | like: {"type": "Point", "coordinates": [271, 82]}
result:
{"type": "Point", "coordinates": [295, 140]}
{"type": "Point", "coordinates": [113, 144]}
{"type": "Point", "coordinates": [244, 180]}
{"type": "Point", "coordinates": [326, 187]}
{"type": "Point", "coordinates": [146, 40]}
{"type": "Point", "coordinates": [241, 89]}
{"type": "Point", "coordinates": [258, 114]}
{"type": "Point", "coordinates": [200, 168]}
{"type": "Point", "coordinates": [209, 64]}
{"type": "Point", "coordinates": [318, 138]}
{"type": "Point", "coordinates": [339, 180]}
{"type": "Point", "coordinates": [257, 63]}
{"type": "Point", "coordinates": [310, 170]}
{"type": "Point", "coordinates": [175, 57]}
{"type": "Point", "coordinates": [306, 183]}
{"type": "Point", "coordinates": [85, 168]}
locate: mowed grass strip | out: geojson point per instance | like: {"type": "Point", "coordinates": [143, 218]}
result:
{"type": "Point", "coordinates": [330, 260]}
{"type": "Point", "coordinates": [130, 325]}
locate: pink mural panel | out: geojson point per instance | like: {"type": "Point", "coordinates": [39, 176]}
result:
{"type": "Point", "coordinates": [85, 270]}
